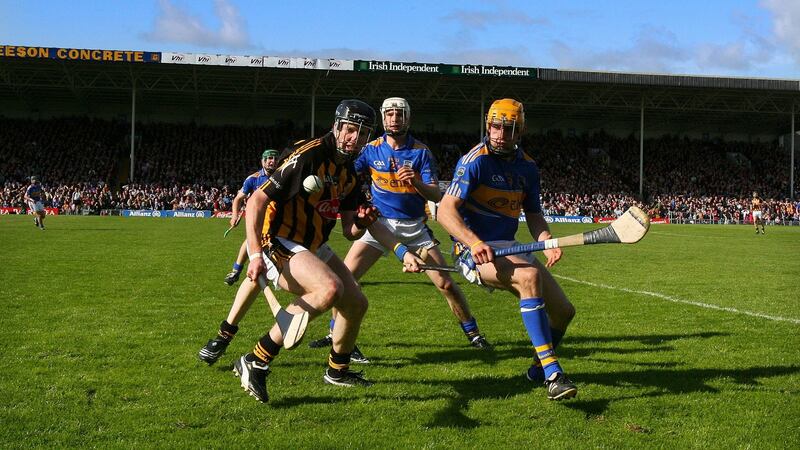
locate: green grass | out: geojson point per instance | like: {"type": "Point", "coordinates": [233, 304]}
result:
{"type": "Point", "coordinates": [103, 317]}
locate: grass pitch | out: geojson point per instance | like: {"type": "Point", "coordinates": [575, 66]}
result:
{"type": "Point", "coordinates": [690, 338]}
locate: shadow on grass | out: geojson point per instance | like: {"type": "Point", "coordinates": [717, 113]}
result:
{"type": "Point", "coordinates": [581, 346]}
{"type": "Point", "coordinates": [660, 378]}
{"type": "Point", "coordinates": [670, 381]}
{"type": "Point", "coordinates": [453, 415]}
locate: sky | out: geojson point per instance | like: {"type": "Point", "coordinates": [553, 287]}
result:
{"type": "Point", "coordinates": [743, 38]}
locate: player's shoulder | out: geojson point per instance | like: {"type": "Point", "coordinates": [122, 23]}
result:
{"type": "Point", "coordinates": [526, 157]}
{"type": "Point", "coordinates": [375, 142]}
{"type": "Point", "coordinates": [416, 144]}
{"type": "Point", "coordinates": [305, 149]}
{"type": "Point", "coordinates": [254, 175]}
{"type": "Point", "coordinates": [475, 154]}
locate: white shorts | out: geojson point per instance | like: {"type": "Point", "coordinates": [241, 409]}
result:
{"type": "Point", "coordinates": [411, 232]}
{"type": "Point", "coordinates": [324, 253]}
{"type": "Point", "coordinates": [756, 214]}
{"type": "Point", "coordinates": [36, 206]}
{"type": "Point", "coordinates": [461, 251]}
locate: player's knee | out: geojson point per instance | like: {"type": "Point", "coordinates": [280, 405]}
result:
{"type": "Point", "coordinates": [444, 284]}
{"type": "Point", "coordinates": [528, 279]}
{"type": "Point", "coordinates": [330, 292]}
{"type": "Point", "coordinates": [360, 304]}
{"type": "Point", "coordinates": [353, 305]}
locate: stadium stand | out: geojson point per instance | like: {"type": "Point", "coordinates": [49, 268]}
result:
{"type": "Point", "coordinates": [199, 167]}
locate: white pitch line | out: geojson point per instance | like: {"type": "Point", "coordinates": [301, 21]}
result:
{"type": "Point", "coordinates": [686, 302]}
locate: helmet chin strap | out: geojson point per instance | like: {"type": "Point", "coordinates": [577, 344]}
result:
{"type": "Point", "coordinates": [398, 133]}
{"type": "Point", "coordinates": [504, 152]}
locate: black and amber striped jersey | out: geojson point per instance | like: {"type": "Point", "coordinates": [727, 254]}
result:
{"type": "Point", "coordinates": [307, 218]}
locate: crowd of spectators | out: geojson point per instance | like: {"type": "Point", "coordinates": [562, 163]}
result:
{"type": "Point", "coordinates": [84, 166]}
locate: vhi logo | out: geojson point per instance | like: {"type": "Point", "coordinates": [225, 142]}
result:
{"type": "Point", "coordinates": [283, 62]}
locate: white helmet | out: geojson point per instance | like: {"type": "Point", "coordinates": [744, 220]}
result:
{"type": "Point", "coordinates": [396, 104]}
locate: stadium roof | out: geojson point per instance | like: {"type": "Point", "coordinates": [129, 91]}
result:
{"type": "Point", "coordinates": [553, 98]}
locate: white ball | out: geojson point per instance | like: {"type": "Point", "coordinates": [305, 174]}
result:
{"type": "Point", "coordinates": [312, 184]}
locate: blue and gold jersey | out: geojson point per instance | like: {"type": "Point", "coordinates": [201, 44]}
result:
{"type": "Point", "coordinates": [495, 191]}
{"type": "Point", "coordinates": [253, 181]}
{"type": "Point", "coordinates": [393, 198]}
{"type": "Point", "coordinates": [35, 192]}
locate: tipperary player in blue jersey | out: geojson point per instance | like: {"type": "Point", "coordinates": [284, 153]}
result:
{"type": "Point", "coordinates": [33, 197]}
{"type": "Point", "coordinates": [248, 290]}
{"type": "Point", "coordinates": [269, 161]}
{"type": "Point", "coordinates": [402, 174]}
{"type": "Point", "coordinates": [492, 184]}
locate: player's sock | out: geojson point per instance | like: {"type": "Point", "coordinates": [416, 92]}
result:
{"type": "Point", "coordinates": [338, 363]}
{"type": "Point", "coordinates": [470, 328]}
{"type": "Point", "coordinates": [237, 267]}
{"type": "Point", "coordinates": [265, 351]}
{"type": "Point", "coordinates": [534, 317]}
{"type": "Point", "coordinates": [536, 366]}
{"type": "Point", "coordinates": [227, 331]}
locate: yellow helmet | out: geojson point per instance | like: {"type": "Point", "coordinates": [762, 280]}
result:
{"type": "Point", "coordinates": [506, 112]}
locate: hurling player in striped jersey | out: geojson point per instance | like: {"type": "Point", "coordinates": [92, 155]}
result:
{"type": "Point", "coordinates": [402, 173]}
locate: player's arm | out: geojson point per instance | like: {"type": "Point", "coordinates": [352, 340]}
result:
{"type": "Point", "coordinates": [355, 223]}
{"type": "Point", "coordinates": [282, 185]}
{"type": "Point", "coordinates": [541, 231]}
{"type": "Point", "coordinates": [237, 201]}
{"type": "Point", "coordinates": [353, 220]}
{"type": "Point", "coordinates": [451, 220]}
{"type": "Point", "coordinates": [424, 181]}
{"type": "Point", "coordinates": [534, 219]}
{"type": "Point", "coordinates": [254, 223]}
{"type": "Point", "coordinates": [429, 191]}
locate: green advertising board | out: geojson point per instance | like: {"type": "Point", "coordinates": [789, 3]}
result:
{"type": "Point", "coordinates": [444, 69]}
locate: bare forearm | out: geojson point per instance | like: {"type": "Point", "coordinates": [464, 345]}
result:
{"type": "Point", "coordinates": [237, 202]}
{"type": "Point", "coordinates": [430, 192]}
{"type": "Point", "coordinates": [350, 230]}
{"type": "Point", "coordinates": [538, 226]}
{"type": "Point", "coordinates": [452, 222]}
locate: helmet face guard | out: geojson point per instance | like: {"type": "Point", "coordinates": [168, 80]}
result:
{"type": "Point", "coordinates": [401, 107]}
{"type": "Point", "coordinates": [358, 114]}
{"type": "Point", "coordinates": [506, 121]}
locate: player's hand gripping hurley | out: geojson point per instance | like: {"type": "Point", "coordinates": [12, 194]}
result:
{"type": "Point", "coordinates": [629, 228]}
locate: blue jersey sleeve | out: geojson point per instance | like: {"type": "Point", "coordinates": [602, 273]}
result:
{"type": "Point", "coordinates": [362, 163]}
{"type": "Point", "coordinates": [427, 168]}
{"type": "Point", "coordinates": [249, 185]}
{"type": "Point", "coordinates": [465, 179]}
